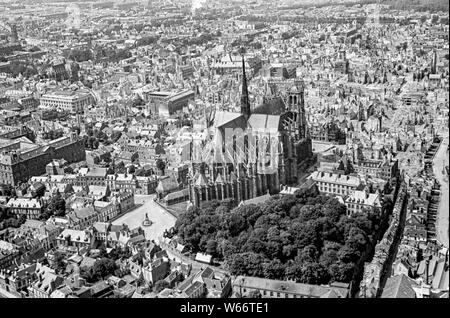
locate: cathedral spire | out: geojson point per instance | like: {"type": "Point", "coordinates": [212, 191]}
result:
{"type": "Point", "coordinates": [245, 103]}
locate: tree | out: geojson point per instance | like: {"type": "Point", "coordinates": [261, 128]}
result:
{"type": "Point", "coordinates": [103, 252]}
{"type": "Point", "coordinates": [308, 254]}
{"type": "Point", "coordinates": [434, 19]}
{"type": "Point", "coordinates": [348, 254]}
{"type": "Point", "coordinates": [313, 273]}
{"type": "Point", "coordinates": [235, 223]}
{"type": "Point", "coordinates": [102, 268]}
{"type": "Point", "coordinates": [293, 270]}
{"type": "Point", "coordinates": [249, 264]}
{"type": "Point", "coordinates": [274, 269]}
{"type": "Point", "coordinates": [161, 165]}
{"type": "Point", "coordinates": [160, 285]}
{"type": "Point", "coordinates": [211, 247]}
{"type": "Point", "coordinates": [59, 262]}
{"type": "Point", "coordinates": [307, 237]}
{"type": "Point", "coordinates": [56, 207]}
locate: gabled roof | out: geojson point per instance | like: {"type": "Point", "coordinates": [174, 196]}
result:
{"type": "Point", "coordinates": [264, 123]}
{"type": "Point", "coordinates": [201, 180]}
{"type": "Point", "coordinates": [167, 184]}
{"type": "Point", "coordinates": [223, 118]}
{"type": "Point", "coordinates": [219, 179]}
{"type": "Point", "coordinates": [400, 286]}
{"type": "Point", "coordinates": [440, 279]}
{"type": "Point", "coordinates": [274, 106]}
{"type": "Point", "coordinates": [257, 200]}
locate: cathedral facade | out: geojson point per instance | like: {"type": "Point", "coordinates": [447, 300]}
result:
{"type": "Point", "coordinates": [253, 152]}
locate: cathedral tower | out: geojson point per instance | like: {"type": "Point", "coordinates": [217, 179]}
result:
{"type": "Point", "coordinates": [296, 104]}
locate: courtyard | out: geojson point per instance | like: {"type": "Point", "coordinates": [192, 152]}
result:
{"type": "Point", "coordinates": [160, 218]}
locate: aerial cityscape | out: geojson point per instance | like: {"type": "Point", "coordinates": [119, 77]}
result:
{"type": "Point", "coordinates": [224, 149]}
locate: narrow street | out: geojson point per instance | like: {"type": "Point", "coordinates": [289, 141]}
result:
{"type": "Point", "coordinates": [442, 225]}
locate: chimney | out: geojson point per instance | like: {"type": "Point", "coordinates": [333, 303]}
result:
{"type": "Point", "coordinates": [427, 267]}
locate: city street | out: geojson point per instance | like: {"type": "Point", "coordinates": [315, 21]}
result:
{"type": "Point", "coordinates": [443, 211]}
{"type": "Point", "coordinates": [161, 219]}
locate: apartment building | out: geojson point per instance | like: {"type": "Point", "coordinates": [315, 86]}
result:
{"type": "Point", "coordinates": [335, 184]}
{"type": "Point", "coordinates": [360, 201]}
{"type": "Point", "coordinates": [73, 102]}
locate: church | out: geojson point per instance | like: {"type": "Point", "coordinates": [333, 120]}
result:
{"type": "Point", "coordinates": [252, 152]}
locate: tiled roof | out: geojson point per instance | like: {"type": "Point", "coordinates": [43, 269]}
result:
{"type": "Point", "coordinates": [400, 286]}
{"type": "Point", "coordinates": [339, 291]}
{"type": "Point", "coordinates": [336, 178]}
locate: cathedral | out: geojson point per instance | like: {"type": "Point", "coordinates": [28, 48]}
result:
{"type": "Point", "coordinates": [274, 142]}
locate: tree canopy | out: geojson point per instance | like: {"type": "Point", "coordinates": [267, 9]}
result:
{"type": "Point", "coordinates": [306, 237]}
{"type": "Point", "coordinates": [102, 268]}
{"type": "Point", "coordinates": [56, 206]}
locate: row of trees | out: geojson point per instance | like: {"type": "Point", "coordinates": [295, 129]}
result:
{"type": "Point", "coordinates": [306, 237]}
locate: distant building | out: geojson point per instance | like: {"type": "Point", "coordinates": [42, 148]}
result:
{"type": "Point", "coordinates": [47, 282]}
{"type": "Point", "coordinates": [168, 103]}
{"type": "Point", "coordinates": [335, 184]}
{"type": "Point", "coordinates": [82, 218]}
{"type": "Point", "coordinates": [74, 238]}
{"type": "Point", "coordinates": [29, 207]}
{"type": "Point", "coordinates": [270, 288]}
{"type": "Point", "coordinates": [73, 102]}
{"type": "Point", "coordinates": [16, 282]}
{"type": "Point", "coordinates": [8, 254]}
{"type": "Point", "coordinates": [18, 165]}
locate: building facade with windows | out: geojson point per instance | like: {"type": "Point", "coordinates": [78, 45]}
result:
{"type": "Point", "coordinates": [270, 288]}
{"type": "Point", "coordinates": [362, 201]}
{"type": "Point", "coordinates": [335, 183]}
{"type": "Point", "coordinates": [73, 102]}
